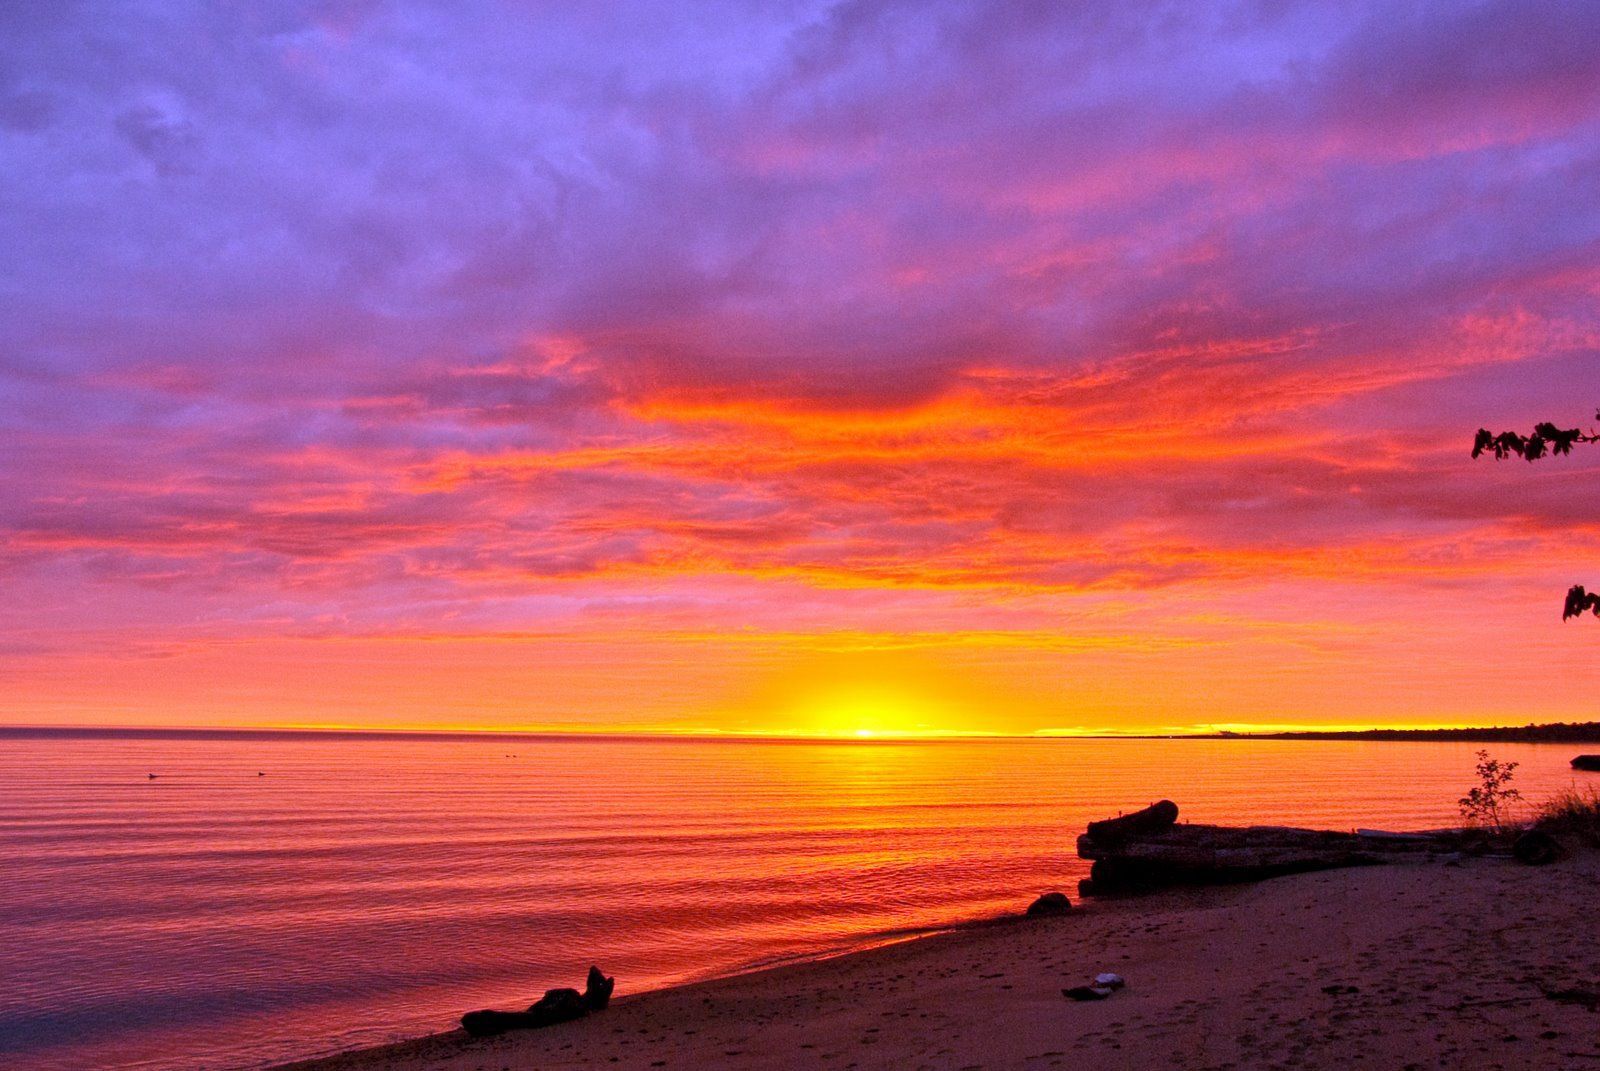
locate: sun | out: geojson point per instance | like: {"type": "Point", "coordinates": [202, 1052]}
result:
{"type": "Point", "coordinates": [869, 712]}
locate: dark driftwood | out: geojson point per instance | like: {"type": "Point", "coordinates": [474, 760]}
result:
{"type": "Point", "coordinates": [1586, 762]}
{"type": "Point", "coordinates": [556, 1006]}
{"type": "Point", "coordinates": [1201, 854]}
{"type": "Point", "coordinates": [1153, 819]}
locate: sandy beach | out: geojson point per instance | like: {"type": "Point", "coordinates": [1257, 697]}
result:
{"type": "Point", "coordinates": [1442, 967]}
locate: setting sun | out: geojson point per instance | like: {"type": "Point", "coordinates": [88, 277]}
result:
{"type": "Point", "coordinates": [871, 711]}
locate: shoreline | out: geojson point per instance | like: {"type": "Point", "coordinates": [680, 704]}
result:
{"type": "Point", "coordinates": [870, 944]}
{"type": "Point", "coordinates": [1447, 966]}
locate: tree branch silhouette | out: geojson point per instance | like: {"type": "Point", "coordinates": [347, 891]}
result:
{"type": "Point", "coordinates": [1546, 439]}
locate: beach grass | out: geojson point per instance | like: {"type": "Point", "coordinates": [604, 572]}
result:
{"type": "Point", "coordinates": [1573, 811]}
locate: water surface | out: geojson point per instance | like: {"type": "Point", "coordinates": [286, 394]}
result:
{"type": "Point", "coordinates": [269, 896]}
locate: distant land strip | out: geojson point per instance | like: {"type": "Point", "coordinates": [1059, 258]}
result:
{"type": "Point", "coordinates": [1579, 732]}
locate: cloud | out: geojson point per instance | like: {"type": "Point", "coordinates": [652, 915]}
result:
{"type": "Point", "coordinates": [382, 316]}
{"type": "Point", "coordinates": [166, 139]}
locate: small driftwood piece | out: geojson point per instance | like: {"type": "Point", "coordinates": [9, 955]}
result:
{"type": "Point", "coordinates": [556, 1006]}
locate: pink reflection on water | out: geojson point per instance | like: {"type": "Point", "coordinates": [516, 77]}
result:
{"type": "Point", "coordinates": [367, 888]}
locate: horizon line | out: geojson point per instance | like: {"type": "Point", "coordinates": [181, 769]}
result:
{"type": "Point", "coordinates": [1263, 731]}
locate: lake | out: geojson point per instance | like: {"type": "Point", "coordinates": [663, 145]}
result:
{"type": "Point", "coordinates": [276, 895]}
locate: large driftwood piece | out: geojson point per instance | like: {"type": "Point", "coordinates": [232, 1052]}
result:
{"type": "Point", "coordinates": [1143, 854]}
{"type": "Point", "coordinates": [1153, 819]}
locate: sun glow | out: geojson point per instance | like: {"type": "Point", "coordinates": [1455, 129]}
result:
{"type": "Point", "coordinates": [872, 712]}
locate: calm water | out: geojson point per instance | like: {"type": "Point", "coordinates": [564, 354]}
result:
{"type": "Point", "coordinates": [370, 888]}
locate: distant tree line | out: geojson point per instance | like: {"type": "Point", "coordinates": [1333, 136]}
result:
{"type": "Point", "coordinates": [1584, 732]}
{"type": "Point", "coordinates": [1545, 440]}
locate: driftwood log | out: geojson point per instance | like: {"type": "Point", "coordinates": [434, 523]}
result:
{"type": "Point", "coordinates": [1137, 852]}
{"type": "Point", "coordinates": [1153, 819]}
{"type": "Point", "coordinates": [556, 1006]}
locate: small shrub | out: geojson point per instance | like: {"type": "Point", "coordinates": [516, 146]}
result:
{"type": "Point", "coordinates": [1572, 811]}
{"type": "Point", "coordinates": [1490, 803]}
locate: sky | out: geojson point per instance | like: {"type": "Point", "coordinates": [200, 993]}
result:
{"type": "Point", "coordinates": [814, 367]}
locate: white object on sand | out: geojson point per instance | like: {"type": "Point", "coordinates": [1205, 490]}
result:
{"type": "Point", "coordinates": [1109, 981]}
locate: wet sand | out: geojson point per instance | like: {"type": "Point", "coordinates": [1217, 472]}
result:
{"type": "Point", "coordinates": [1450, 967]}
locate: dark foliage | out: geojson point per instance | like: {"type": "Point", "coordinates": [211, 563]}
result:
{"type": "Point", "coordinates": [1572, 811]}
{"type": "Point", "coordinates": [1546, 439]}
{"type": "Point", "coordinates": [1579, 601]}
{"type": "Point", "coordinates": [1490, 801]}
